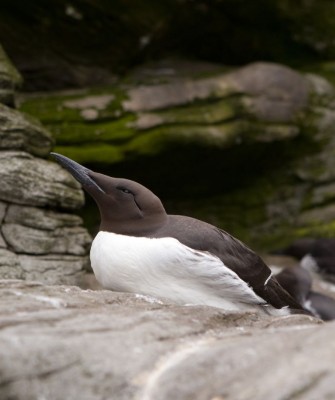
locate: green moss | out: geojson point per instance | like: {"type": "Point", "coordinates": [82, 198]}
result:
{"type": "Point", "coordinates": [155, 140]}
{"type": "Point", "coordinates": [208, 113]}
{"type": "Point", "coordinates": [93, 153]}
{"type": "Point", "coordinates": [65, 115]}
{"type": "Point", "coordinates": [100, 131]}
{"type": "Point", "coordinates": [59, 107]}
{"type": "Point", "coordinates": [49, 109]}
{"type": "Point", "coordinates": [220, 135]}
{"type": "Point", "coordinates": [316, 230]}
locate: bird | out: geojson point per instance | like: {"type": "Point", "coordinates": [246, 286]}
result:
{"type": "Point", "coordinates": [141, 249]}
{"type": "Point", "coordinates": [324, 306]}
{"type": "Point", "coordinates": [298, 283]}
{"type": "Point", "coordinates": [316, 255]}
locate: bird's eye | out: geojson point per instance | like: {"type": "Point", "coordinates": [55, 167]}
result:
{"type": "Point", "coordinates": [124, 190]}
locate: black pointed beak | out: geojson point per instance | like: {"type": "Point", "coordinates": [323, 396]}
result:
{"type": "Point", "coordinates": [80, 173]}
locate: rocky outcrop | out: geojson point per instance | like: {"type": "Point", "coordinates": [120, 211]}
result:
{"type": "Point", "coordinates": [258, 103]}
{"type": "Point", "coordinates": [21, 132]}
{"type": "Point", "coordinates": [38, 238]}
{"type": "Point", "coordinates": [101, 345]}
{"type": "Point", "coordinates": [256, 143]}
{"type": "Point", "coordinates": [30, 180]}
{"type": "Point", "coordinates": [10, 79]}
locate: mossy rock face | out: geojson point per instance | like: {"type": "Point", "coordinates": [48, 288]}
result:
{"type": "Point", "coordinates": [257, 103]}
{"type": "Point", "coordinates": [251, 150]}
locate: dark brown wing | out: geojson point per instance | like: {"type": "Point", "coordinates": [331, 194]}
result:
{"type": "Point", "coordinates": [234, 254]}
{"type": "Point", "coordinates": [252, 269]}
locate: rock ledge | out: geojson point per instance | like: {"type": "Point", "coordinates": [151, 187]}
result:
{"type": "Point", "coordinates": [61, 342]}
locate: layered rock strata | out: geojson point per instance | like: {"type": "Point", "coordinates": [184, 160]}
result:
{"type": "Point", "coordinates": [40, 238]}
{"type": "Point", "coordinates": [250, 149]}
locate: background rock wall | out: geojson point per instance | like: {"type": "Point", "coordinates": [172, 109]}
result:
{"type": "Point", "coordinates": [250, 149]}
{"type": "Point", "coordinates": [40, 237]}
{"type": "Point", "coordinates": [265, 130]}
{"type": "Point", "coordinates": [84, 42]}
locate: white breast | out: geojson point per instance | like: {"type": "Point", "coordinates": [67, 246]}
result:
{"type": "Point", "coordinates": [166, 268]}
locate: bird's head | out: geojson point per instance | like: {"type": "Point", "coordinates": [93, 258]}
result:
{"type": "Point", "coordinates": [125, 206]}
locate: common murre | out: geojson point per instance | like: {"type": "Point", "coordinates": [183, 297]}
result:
{"type": "Point", "coordinates": [142, 249]}
{"type": "Point", "coordinates": [298, 283]}
{"type": "Point", "coordinates": [315, 255]}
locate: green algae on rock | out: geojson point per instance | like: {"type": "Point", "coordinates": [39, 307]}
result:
{"type": "Point", "coordinates": [265, 129]}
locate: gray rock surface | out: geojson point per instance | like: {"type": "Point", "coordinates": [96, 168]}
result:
{"type": "Point", "coordinates": [37, 182]}
{"type": "Point", "coordinates": [9, 79]}
{"type": "Point", "coordinates": [276, 92]}
{"type": "Point", "coordinates": [34, 230]}
{"type": "Point", "coordinates": [3, 244]}
{"type": "Point", "coordinates": [40, 218]}
{"type": "Point", "coordinates": [22, 132]}
{"type": "Point", "coordinates": [37, 241]}
{"type": "Point", "coordinates": [43, 245]}
{"type": "Point", "coordinates": [3, 207]}
{"type": "Point", "coordinates": [60, 342]}
{"type": "Point", "coordinates": [54, 269]}
{"type": "Point", "coordinates": [51, 269]}
{"type": "Point", "coordinates": [10, 267]}
{"type": "Point", "coordinates": [269, 93]}
{"type": "Point", "coordinates": [23, 239]}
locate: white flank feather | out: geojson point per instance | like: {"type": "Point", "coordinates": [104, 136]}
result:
{"type": "Point", "coordinates": [165, 268]}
